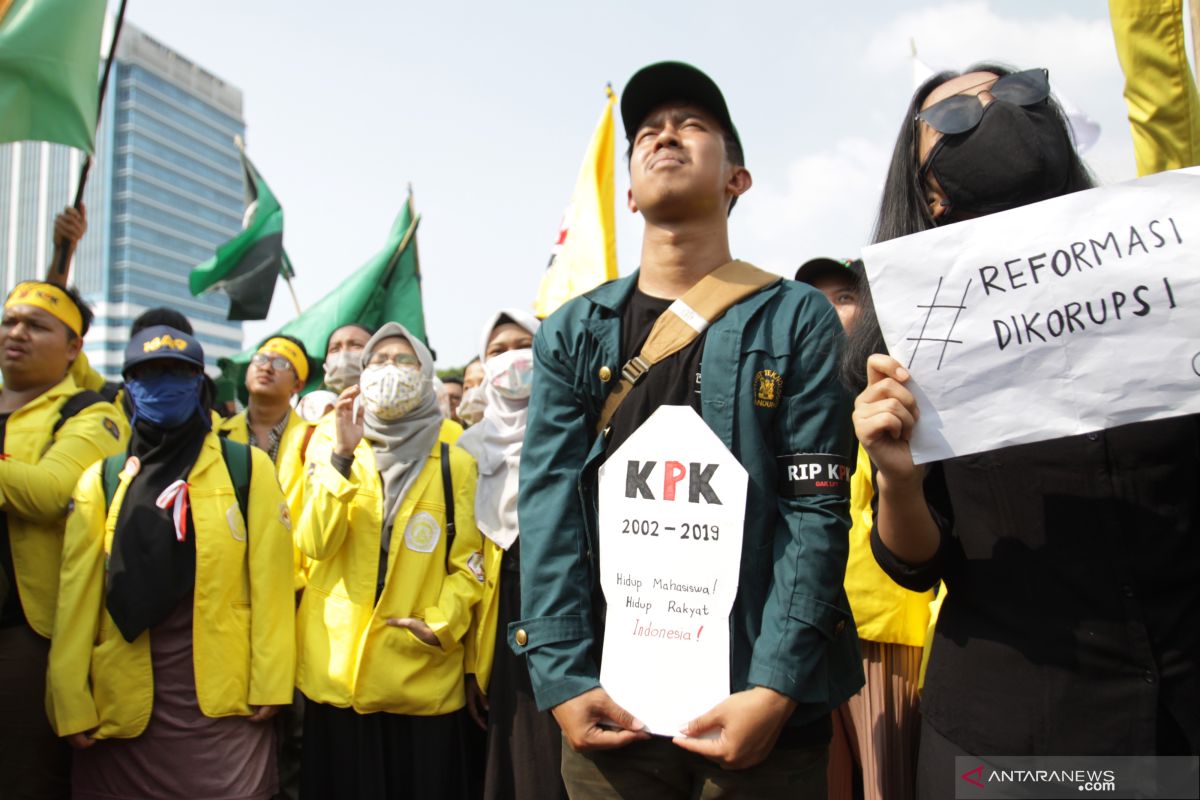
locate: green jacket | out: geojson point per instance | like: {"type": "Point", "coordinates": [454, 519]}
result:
{"type": "Point", "coordinates": [791, 629]}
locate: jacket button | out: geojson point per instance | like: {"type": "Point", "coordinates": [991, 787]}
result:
{"type": "Point", "coordinates": [841, 626]}
{"type": "Point", "coordinates": [605, 374]}
{"type": "Point", "coordinates": [522, 638]}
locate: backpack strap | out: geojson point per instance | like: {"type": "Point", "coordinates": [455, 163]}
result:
{"type": "Point", "coordinates": [77, 402]}
{"type": "Point", "coordinates": [684, 320]}
{"type": "Point", "coordinates": [238, 460]}
{"type": "Point", "coordinates": [110, 390]}
{"type": "Point", "coordinates": [448, 497]}
{"type": "Point", "coordinates": [110, 476]}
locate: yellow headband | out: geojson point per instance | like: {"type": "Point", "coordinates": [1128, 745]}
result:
{"type": "Point", "coordinates": [49, 298]}
{"type": "Point", "coordinates": [289, 351]}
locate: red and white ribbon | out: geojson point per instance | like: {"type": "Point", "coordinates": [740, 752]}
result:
{"type": "Point", "coordinates": [176, 496]}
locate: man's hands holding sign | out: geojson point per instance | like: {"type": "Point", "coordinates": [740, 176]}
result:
{"type": "Point", "coordinates": [737, 733]}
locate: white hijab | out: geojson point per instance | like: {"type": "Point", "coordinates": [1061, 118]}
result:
{"type": "Point", "coordinates": [496, 444]}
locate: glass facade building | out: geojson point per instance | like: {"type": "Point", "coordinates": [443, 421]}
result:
{"type": "Point", "coordinates": [165, 191]}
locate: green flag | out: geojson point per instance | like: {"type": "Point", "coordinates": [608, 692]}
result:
{"type": "Point", "coordinates": [245, 267]}
{"type": "Point", "coordinates": [385, 289]}
{"type": "Point", "coordinates": [50, 70]}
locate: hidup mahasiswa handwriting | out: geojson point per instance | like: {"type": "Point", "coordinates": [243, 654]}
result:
{"type": "Point", "coordinates": [699, 488]}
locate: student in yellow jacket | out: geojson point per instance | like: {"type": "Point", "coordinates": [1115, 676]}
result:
{"type": "Point", "coordinates": [175, 610]}
{"type": "Point", "coordinates": [389, 523]}
{"type": "Point", "coordinates": [50, 431]}
{"type": "Point", "coordinates": [277, 372]}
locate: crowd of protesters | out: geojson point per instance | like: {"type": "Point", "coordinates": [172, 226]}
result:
{"type": "Point", "coordinates": [354, 597]}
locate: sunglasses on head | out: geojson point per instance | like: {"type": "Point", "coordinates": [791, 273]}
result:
{"type": "Point", "coordinates": [961, 112]}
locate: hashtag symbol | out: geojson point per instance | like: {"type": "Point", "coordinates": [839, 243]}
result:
{"type": "Point", "coordinates": [946, 340]}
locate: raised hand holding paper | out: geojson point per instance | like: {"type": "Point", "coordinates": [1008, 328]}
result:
{"type": "Point", "coordinates": [1057, 318]}
{"type": "Point", "coordinates": [672, 508]}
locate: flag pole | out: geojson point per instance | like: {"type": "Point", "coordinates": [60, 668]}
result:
{"type": "Point", "coordinates": [61, 269]}
{"type": "Point", "coordinates": [295, 300]}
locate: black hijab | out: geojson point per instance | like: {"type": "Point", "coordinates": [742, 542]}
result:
{"type": "Point", "coordinates": [149, 570]}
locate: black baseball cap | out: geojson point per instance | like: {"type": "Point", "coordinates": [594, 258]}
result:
{"type": "Point", "coordinates": [816, 267]}
{"type": "Point", "coordinates": [162, 342]}
{"type": "Point", "coordinates": [667, 81]}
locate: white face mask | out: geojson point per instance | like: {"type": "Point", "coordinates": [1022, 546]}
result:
{"type": "Point", "coordinates": [389, 392]}
{"type": "Point", "coordinates": [342, 369]}
{"type": "Point", "coordinates": [510, 373]}
{"type": "Point", "coordinates": [470, 409]}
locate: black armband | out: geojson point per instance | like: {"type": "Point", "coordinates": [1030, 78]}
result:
{"type": "Point", "coordinates": [803, 474]}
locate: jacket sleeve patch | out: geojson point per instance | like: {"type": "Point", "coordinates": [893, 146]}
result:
{"type": "Point", "coordinates": [803, 474]}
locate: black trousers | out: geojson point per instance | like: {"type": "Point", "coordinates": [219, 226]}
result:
{"type": "Point", "coordinates": [523, 744]}
{"type": "Point", "coordinates": [34, 762]}
{"type": "Point", "coordinates": [352, 756]}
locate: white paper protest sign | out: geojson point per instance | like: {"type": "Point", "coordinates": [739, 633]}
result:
{"type": "Point", "coordinates": [1053, 319]}
{"type": "Point", "coordinates": [672, 509]}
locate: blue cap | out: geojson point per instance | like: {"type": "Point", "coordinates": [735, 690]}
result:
{"type": "Point", "coordinates": [162, 342]}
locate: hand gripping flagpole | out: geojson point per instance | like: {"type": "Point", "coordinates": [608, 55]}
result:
{"type": "Point", "coordinates": [61, 269]}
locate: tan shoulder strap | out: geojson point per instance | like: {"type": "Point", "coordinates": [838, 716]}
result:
{"type": "Point", "coordinates": [684, 320]}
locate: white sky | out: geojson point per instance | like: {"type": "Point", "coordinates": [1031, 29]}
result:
{"type": "Point", "coordinates": [486, 108]}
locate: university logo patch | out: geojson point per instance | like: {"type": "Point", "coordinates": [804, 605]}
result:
{"type": "Point", "coordinates": [237, 525]}
{"type": "Point", "coordinates": [768, 388]}
{"type": "Point", "coordinates": [422, 533]}
{"type": "Point", "coordinates": [475, 562]}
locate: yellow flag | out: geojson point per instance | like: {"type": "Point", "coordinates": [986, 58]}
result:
{"type": "Point", "coordinates": [585, 253]}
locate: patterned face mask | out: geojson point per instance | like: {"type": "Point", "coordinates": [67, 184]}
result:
{"type": "Point", "coordinates": [389, 392]}
{"type": "Point", "coordinates": [511, 373]}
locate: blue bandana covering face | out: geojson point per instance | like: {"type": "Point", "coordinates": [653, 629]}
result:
{"type": "Point", "coordinates": [165, 401]}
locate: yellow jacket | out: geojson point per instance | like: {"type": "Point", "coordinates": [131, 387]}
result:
{"type": "Point", "coordinates": [37, 475]}
{"type": "Point", "coordinates": [289, 469]}
{"type": "Point", "coordinates": [883, 611]}
{"type": "Point", "coordinates": [243, 643]}
{"type": "Point", "coordinates": [481, 639]}
{"type": "Point", "coordinates": [1160, 92]}
{"type": "Point", "coordinates": [348, 656]}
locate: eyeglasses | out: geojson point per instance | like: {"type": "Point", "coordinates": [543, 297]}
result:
{"type": "Point", "coordinates": [400, 360]}
{"type": "Point", "coordinates": [277, 363]}
{"type": "Point", "coordinates": [962, 112]}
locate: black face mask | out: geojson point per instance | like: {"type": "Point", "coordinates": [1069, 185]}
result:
{"type": "Point", "coordinates": [1014, 156]}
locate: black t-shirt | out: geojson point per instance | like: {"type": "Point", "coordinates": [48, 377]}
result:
{"type": "Point", "coordinates": [11, 613]}
{"type": "Point", "coordinates": [1072, 571]}
{"type": "Point", "coordinates": [674, 381]}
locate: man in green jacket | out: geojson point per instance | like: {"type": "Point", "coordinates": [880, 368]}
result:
{"type": "Point", "coordinates": [763, 376]}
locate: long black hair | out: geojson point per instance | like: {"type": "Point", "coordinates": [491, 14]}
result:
{"type": "Point", "coordinates": [903, 210]}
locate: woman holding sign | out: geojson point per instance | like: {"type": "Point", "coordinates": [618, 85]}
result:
{"type": "Point", "coordinates": [1073, 565]}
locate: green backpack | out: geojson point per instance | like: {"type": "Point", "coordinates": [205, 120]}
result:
{"type": "Point", "coordinates": [237, 461]}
